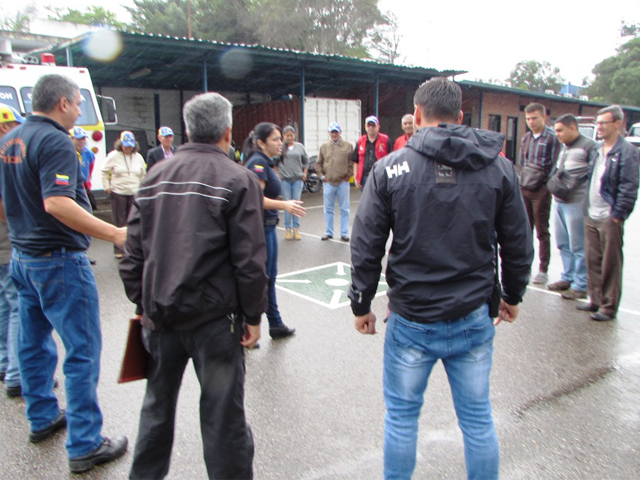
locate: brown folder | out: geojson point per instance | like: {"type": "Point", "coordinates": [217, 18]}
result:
{"type": "Point", "coordinates": [136, 357]}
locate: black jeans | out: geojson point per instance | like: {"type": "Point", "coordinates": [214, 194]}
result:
{"type": "Point", "coordinates": [218, 359]}
{"type": "Point", "coordinates": [120, 208]}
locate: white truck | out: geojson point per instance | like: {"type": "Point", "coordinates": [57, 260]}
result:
{"type": "Point", "coordinates": [19, 75]}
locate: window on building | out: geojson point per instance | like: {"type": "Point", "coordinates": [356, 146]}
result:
{"type": "Point", "coordinates": [494, 122]}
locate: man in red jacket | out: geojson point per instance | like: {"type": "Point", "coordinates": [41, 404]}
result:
{"type": "Point", "coordinates": [369, 149]}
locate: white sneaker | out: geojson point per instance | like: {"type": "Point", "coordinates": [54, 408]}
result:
{"type": "Point", "coordinates": [540, 278]}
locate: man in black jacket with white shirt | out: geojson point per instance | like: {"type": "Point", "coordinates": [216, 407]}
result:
{"type": "Point", "coordinates": [195, 268]}
{"type": "Point", "coordinates": [447, 195]}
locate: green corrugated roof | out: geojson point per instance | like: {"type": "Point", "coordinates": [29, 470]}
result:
{"type": "Point", "coordinates": [177, 63]}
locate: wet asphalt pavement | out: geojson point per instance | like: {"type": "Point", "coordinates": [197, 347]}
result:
{"type": "Point", "coordinates": [565, 389]}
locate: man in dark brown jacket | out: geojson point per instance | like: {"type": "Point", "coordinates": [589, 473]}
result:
{"type": "Point", "coordinates": [195, 268]}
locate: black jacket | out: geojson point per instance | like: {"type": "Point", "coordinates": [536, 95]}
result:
{"type": "Point", "coordinates": [155, 155]}
{"type": "Point", "coordinates": [195, 248]}
{"type": "Point", "coordinates": [444, 196]}
{"type": "Point", "coordinates": [619, 186]}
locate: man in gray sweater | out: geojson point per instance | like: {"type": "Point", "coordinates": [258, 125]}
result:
{"type": "Point", "coordinates": [568, 186]}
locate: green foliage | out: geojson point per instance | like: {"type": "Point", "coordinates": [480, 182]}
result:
{"type": "Point", "coordinates": [92, 16]}
{"type": "Point", "coordinates": [535, 76]}
{"type": "Point", "coordinates": [324, 26]}
{"type": "Point", "coordinates": [21, 22]}
{"type": "Point", "coordinates": [617, 78]}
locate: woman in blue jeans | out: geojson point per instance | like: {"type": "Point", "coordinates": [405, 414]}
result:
{"type": "Point", "coordinates": [292, 170]}
{"type": "Point", "coordinates": [267, 144]}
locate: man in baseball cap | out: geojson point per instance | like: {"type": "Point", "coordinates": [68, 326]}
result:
{"type": "Point", "coordinates": [9, 317]}
{"type": "Point", "coordinates": [164, 150]}
{"type": "Point", "coordinates": [334, 168]}
{"type": "Point", "coordinates": [9, 118]}
{"type": "Point", "coordinates": [370, 148]}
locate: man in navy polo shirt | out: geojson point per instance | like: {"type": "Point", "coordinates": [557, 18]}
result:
{"type": "Point", "coordinates": [50, 225]}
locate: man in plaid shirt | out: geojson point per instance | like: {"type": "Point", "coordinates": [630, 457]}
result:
{"type": "Point", "coordinates": [539, 148]}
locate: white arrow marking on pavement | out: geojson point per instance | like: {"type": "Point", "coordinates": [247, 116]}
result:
{"type": "Point", "coordinates": [335, 300]}
{"type": "Point", "coordinates": [286, 280]}
{"type": "Point", "coordinates": [340, 269]}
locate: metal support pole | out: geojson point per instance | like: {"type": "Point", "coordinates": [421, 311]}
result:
{"type": "Point", "coordinates": [480, 111]}
{"type": "Point", "coordinates": [69, 57]}
{"type": "Point", "coordinates": [377, 95]}
{"type": "Point", "coordinates": [205, 79]}
{"type": "Point", "coordinates": [303, 94]}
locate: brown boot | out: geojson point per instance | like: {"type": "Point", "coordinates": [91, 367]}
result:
{"type": "Point", "coordinates": [288, 235]}
{"type": "Point", "coordinates": [296, 234]}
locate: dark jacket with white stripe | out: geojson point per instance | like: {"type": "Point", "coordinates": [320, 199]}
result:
{"type": "Point", "coordinates": [195, 248]}
{"type": "Point", "coordinates": [445, 196]}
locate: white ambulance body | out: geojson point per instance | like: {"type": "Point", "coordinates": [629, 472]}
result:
{"type": "Point", "coordinates": [17, 81]}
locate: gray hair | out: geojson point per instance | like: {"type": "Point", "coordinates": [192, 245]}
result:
{"type": "Point", "coordinates": [406, 116]}
{"type": "Point", "coordinates": [615, 111]}
{"type": "Point", "coordinates": [206, 117]}
{"type": "Point", "coordinates": [49, 89]}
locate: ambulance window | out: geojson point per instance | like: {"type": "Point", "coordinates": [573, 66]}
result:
{"type": "Point", "coordinates": [8, 96]}
{"type": "Point", "coordinates": [88, 116]}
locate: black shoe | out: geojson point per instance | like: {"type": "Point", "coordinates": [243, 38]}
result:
{"type": "Point", "coordinates": [92, 262]}
{"type": "Point", "coordinates": [281, 332]}
{"type": "Point", "coordinates": [42, 435]}
{"type": "Point", "coordinates": [2, 374]}
{"type": "Point", "coordinates": [109, 450]}
{"type": "Point", "coordinates": [587, 307]}
{"type": "Point", "coordinates": [326, 237]}
{"type": "Point", "coordinates": [345, 238]}
{"type": "Point", "coordinates": [601, 317]}
{"type": "Point", "coordinates": [13, 392]}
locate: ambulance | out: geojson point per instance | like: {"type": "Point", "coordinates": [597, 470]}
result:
{"type": "Point", "coordinates": [16, 84]}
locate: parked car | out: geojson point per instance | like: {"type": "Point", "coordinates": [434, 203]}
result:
{"type": "Point", "coordinates": [634, 135]}
{"type": "Point", "coordinates": [587, 127]}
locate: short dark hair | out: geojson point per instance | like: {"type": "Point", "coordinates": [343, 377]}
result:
{"type": "Point", "coordinates": [49, 89]}
{"type": "Point", "coordinates": [567, 120]}
{"type": "Point", "coordinates": [439, 99]}
{"type": "Point", "coordinates": [535, 107]}
{"type": "Point", "coordinates": [615, 111]}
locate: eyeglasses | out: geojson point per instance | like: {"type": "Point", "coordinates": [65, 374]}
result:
{"type": "Point", "coordinates": [605, 122]}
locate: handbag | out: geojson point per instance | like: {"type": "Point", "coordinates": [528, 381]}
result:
{"type": "Point", "coordinates": [561, 184]}
{"type": "Point", "coordinates": [532, 177]}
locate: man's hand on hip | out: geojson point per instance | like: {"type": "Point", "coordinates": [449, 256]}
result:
{"type": "Point", "coordinates": [366, 324]}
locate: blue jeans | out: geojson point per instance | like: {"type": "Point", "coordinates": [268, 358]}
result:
{"type": "Point", "coordinates": [329, 196]}
{"type": "Point", "coordinates": [411, 349]}
{"type": "Point", "coordinates": [291, 190]}
{"type": "Point", "coordinates": [9, 324]}
{"type": "Point", "coordinates": [273, 314]}
{"type": "Point", "coordinates": [569, 225]}
{"type": "Point", "coordinates": [59, 292]}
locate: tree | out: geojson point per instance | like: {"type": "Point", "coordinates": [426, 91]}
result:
{"type": "Point", "coordinates": [220, 20]}
{"type": "Point", "coordinates": [384, 41]}
{"type": "Point", "coordinates": [21, 22]}
{"type": "Point", "coordinates": [617, 78]}
{"type": "Point", "coordinates": [92, 16]}
{"type": "Point", "coordinates": [535, 76]}
{"type": "Point", "coordinates": [322, 26]}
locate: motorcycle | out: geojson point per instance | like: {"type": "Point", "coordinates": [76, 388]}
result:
{"type": "Point", "coordinates": [313, 183]}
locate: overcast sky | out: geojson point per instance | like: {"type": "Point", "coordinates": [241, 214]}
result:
{"type": "Point", "coordinates": [486, 38]}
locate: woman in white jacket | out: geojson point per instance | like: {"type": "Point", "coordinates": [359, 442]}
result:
{"type": "Point", "coordinates": [123, 171]}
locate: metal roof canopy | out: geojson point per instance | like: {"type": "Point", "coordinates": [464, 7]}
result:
{"type": "Point", "coordinates": [162, 62]}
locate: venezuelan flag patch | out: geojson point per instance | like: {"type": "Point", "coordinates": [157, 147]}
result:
{"type": "Point", "coordinates": [62, 179]}
{"type": "Point", "coordinates": [258, 168]}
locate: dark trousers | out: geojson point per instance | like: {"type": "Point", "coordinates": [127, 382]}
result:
{"type": "Point", "coordinates": [120, 208]}
{"type": "Point", "coordinates": [218, 359]}
{"type": "Point", "coordinates": [604, 243]}
{"type": "Point", "coordinates": [538, 206]}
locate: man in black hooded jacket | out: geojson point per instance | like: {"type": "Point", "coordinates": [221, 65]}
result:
{"type": "Point", "coordinates": [447, 196]}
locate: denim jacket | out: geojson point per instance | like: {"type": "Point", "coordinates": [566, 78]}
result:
{"type": "Point", "coordinates": [619, 186]}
